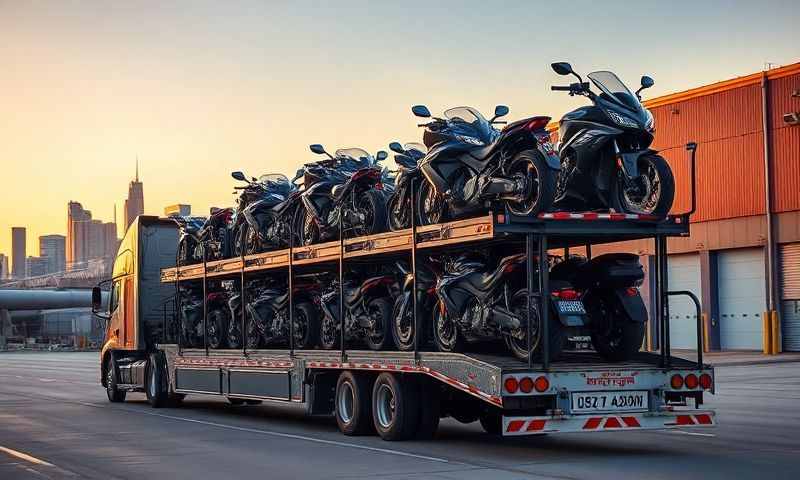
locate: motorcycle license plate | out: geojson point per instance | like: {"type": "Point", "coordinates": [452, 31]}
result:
{"type": "Point", "coordinates": [574, 307]}
{"type": "Point", "coordinates": [593, 402]}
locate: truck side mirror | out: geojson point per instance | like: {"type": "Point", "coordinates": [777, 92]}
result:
{"type": "Point", "coordinates": [97, 299]}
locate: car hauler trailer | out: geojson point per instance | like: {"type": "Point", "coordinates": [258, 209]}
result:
{"type": "Point", "coordinates": [403, 394]}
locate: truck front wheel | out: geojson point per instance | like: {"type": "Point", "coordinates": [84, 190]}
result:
{"type": "Point", "coordinates": [155, 385]}
{"type": "Point", "coordinates": [115, 395]}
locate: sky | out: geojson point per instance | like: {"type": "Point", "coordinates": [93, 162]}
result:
{"type": "Point", "coordinates": [198, 89]}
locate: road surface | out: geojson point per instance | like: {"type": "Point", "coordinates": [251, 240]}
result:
{"type": "Point", "coordinates": [55, 422]}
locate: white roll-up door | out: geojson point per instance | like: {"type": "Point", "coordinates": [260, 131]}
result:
{"type": "Point", "coordinates": [742, 298]}
{"type": "Point", "coordinates": [790, 296]}
{"type": "Point", "coordinates": [684, 274]}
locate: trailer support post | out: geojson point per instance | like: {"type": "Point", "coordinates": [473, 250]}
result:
{"type": "Point", "coordinates": [243, 305]}
{"type": "Point", "coordinates": [291, 292]}
{"type": "Point", "coordinates": [341, 284]}
{"type": "Point", "coordinates": [531, 296]}
{"type": "Point", "coordinates": [544, 310]}
{"type": "Point", "coordinates": [205, 302]}
{"type": "Point", "coordinates": [415, 317]}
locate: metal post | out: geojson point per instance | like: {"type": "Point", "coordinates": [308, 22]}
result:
{"type": "Point", "coordinates": [588, 251]}
{"type": "Point", "coordinates": [529, 284]}
{"type": "Point", "coordinates": [544, 311]}
{"type": "Point", "coordinates": [205, 302]}
{"type": "Point", "coordinates": [177, 301]}
{"type": "Point", "coordinates": [770, 243]}
{"type": "Point", "coordinates": [341, 284]}
{"type": "Point", "coordinates": [664, 311]}
{"type": "Point", "coordinates": [657, 301]}
{"type": "Point", "coordinates": [415, 313]}
{"type": "Point", "coordinates": [291, 292]}
{"type": "Point", "coordinates": [242, 302]}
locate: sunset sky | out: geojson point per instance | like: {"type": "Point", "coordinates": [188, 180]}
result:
{"type": "Point", "coordinates": [198, 89]}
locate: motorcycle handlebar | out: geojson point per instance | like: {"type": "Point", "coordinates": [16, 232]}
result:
{"type": "Point", "coordinates": [561, 88]}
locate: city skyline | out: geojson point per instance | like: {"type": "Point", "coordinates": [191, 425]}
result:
{"type": "Point", "coordinates": [126, 85]}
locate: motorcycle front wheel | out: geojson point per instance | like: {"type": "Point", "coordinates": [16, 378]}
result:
{"type": "Point", "coordinates": [399, 213]}
{"type": "Point", "coordinates": [329, 333]}
{"type": "Point", "coordinates": [538, 180]}
{"type": "Point", "coordinates": [517, 340]}
{"type": "Point", "coordinates": [651, 193]}
{"type": "Point", "coordinates": [306, 228]}
{"type": "Point", "coordinates": [234, 334]}
{"type": "Point", "coordinates": [446, 333]}
{"type": "Point", "coordinates": [430, 205]}
{"type": "Point", "coordinates": [380, 336]}
{"type": "Point", "coordinates": [306, 326]}
{"type": "Point", "coordinates": [216, 326]}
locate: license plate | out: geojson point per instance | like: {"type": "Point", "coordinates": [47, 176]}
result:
{"type": "Point", "coordinates": [589, 402]}
{"type": "Point", "coordinates": [574, 307]}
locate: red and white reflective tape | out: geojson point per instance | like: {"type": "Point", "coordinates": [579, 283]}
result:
{"type": "Point", "coordinates": [596, 216]}
{"type": "Point", "coordinates": [471, 389]}
{"type": "Point", "coordinates": [606, 423]}
{"type": "Point", "coordinates": [229, 362]}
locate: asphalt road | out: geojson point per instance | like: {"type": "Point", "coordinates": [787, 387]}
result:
{"type": "Point", "coordinates": [55, 422]}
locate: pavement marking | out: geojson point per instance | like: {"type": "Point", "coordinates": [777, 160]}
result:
{"type": "Point", "coordinates": [26, 457]}
{"type": "Point", "coordinates": [293, 436]}
{"type": "Point", "coordinates": [697, 434]}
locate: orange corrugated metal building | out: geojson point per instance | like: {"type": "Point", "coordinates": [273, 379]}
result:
{"type": "Point", "coordinates": [725, 261]}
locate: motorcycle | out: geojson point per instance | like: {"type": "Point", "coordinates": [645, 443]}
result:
{"type": "Point", "coordinates": [367, 312]}
{"type": "Point", "coordinates": [608, 287]}
{"type": "Point", "coordinates": [347, 190]}
{"type": "Point", "coordinates": [606, 160]}
{"type": "Point", "coordinates": [210, 233]}
{"type": "Point", "coordinates": [403, 311]}
{"type": "Point", "coordinates": [478, 304]}
{"type": "Point", "coordinates": [192, 329]}
{"type": "Point", "coordinates": [189, 228]}
{"type": "Point", "coordinates": [268, 315]}
{"type": "Point", "coordinates": [470, 165]}
{"type": "Point", "coordinates": [399, 204]}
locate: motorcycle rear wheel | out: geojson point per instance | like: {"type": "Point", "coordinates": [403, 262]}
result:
{"type": "Point", "coordinates": [306, 228]}
{"type": "Point", "coordinates": [615, 336]}
{"type": "Point", "coordinates": [517, 341]}
{"type": "Point", "coordinates": [660, 189]}
{"type": "Point", "coordinates": [306, 326]}
{"type": "Point", "coordinates": [540, 183]}
{"type": "Point", "coordinates": [372, 204]}
{"type": "Point", "coordinates": [216, 327]}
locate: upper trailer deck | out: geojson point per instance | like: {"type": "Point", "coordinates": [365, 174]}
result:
{"type": "Point", "coordinates": [563, 229]}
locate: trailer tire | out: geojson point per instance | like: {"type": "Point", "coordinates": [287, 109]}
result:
{"type": "Point", "coordinates": [114, 394]}
{"type": "Point", "coordinates": [352, 404]}
{"type": "Point", "coordinates": [395, 407]}
{"type": "Point", "coordinates": [155, 385]}
{"type": "Point", "coordinates": [429, 408]}
{"type": "Point", "coordinates": [492, 422]}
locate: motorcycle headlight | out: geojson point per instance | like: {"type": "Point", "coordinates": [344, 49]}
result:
{"type": "Point", "coordinates": [650, 124]}
{"type": "Point", "coordinates": [622, 120]}
{"type": "Point", "coordinates": [470, 140]}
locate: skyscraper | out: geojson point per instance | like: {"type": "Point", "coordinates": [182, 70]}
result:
{"type": "Point", "coordinates": [18, 253]}
{"type": "Point", "coordinates": [4, 273]}
{"type": "Point", "coordinates": [36, 266]}
{"type": "Point", "coordinates": [134, 205]}
{"type": "Point", "coordinates": [86, 238]}
{"type": "Point", "coordinates": [53, 248]}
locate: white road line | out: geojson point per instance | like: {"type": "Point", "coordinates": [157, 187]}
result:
{"type": "Point", "coordinates": [293, 436]}
{"type": "Point", "coordinates": [26, 457]}
{"type": "Point", "coordinates": [696, 434]}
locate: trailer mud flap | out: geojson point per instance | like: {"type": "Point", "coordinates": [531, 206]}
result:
{"type": "Point", "coordinates": [198, 380]}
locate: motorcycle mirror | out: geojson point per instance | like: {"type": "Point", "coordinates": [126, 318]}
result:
{"type": "Point", "coordinates": [239, 176]}
{"type": "Point", "coordinates": [317, 148]}
{"type": "Point", "coordinates": [421, 111]}
{"type": "Point", "coordinates": [562, 68]}
{"type": "Point", "coordinates": [396, 147]}
{"type": "Point", "coordinates": [500, 111]}
{"type": "Point", "coordinates": [647, 82]}
{"type": "Point", "coordinates": [381, 155]}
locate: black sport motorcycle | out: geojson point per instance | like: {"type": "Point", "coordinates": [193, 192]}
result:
{"type": "Point", "coordinates": [478, 304]}
{"type": "Point", "coordinates": [403, 311]}
{"type": "Point", "coordinates": [399, 203]}
{"type": "Point", "coordinates": [367, 311]}
{"type": "Point", "coordinates": [470, 165]}
{"type": "Point", "coordinates": [608, 286]}
{"type": "Point", "coordinates": [347, 189]}
{"type": "Point", "coordinates": [199, 232]}
{"type": "Point", "coordinates": [189, 228]}
{"type": "Point", "coordinates": [192, 329]}
{"type": "Point", "coordinates": [606, 160]}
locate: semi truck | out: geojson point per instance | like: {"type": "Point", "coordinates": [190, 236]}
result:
{"type": "Point", "coordinates": [404, 394]}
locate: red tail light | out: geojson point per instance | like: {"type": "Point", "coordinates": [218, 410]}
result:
{"type": "Point", "coordinates": [511, 385]}
{"type": "Point", "coordinates": [526, 385]}
{"type": "Point", "coordinates": [566, 294]}
{"type": "Point", "coordinates": [542, 384]}
{"type": "Point", "coordinates": [632, 291]}
{"type": "Point", "coordinates": [676, 382]}
{"type": "Point", "coordinates": [691, 381]}
{"type": "Point", "coordinates": [537, 123]}
{"type": "Point", "coordinates": [706, 382]}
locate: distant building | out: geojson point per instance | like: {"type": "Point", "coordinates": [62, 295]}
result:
{"type": "Point", "coordinates": [87, 239]}
{"type": "Point", "coordinates": [36, 266]}
{"type": "Point", "coordinates": [178, 210]}
{"type": "Point", "coordinates": [134, 205]}
{"type": "Point", "coordinates": [18, 252]}
{"type": "Point", "coordinates": [4, 273]}
{"type": "Point", "coordinates": [53, 248]}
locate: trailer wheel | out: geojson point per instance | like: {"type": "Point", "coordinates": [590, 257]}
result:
{"type": "Point", "coordinates": [395, 407]}
{"type": "Point", "coordinates": [114, 394]}
{"type": "Point", "coordinates": [154, 385]}
{"type": "Point", "coordinates": [352, 405]}
{"type": "Point", "coordinates": [492, 422]}
{"type": "Point", "coordinates": [429, 408]}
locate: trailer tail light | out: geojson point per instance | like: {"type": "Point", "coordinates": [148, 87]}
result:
{"type": "Point", "coordinates": [542, 384]}
{"type": "Point", "coordinates": [706, 382]}
{"type": "Point", "coordinates": [566, 294]}
{"type": "Point", "coordinates": [511, 385]}
{"type": "Point", "coordinates": [676, 382]}
{"type": "Point", "coordinates": [526, 385]}
{"type": "Point", "coordinates": [691, 381]}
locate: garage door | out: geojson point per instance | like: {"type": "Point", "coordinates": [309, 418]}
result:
{"type": "Point", "coordinates": [790, 296]}
{"type": "Point", "coordinates": [684, 274]}
{"type": "Point", "coordinates": [741, 298]}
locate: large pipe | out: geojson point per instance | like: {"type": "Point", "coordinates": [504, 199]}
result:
{"type": "Point", "coordinates": [13, 299]}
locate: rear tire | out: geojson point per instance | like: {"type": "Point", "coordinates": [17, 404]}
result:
{"type": "Point", "coordinates": [306, 227]}
{"type": "Point", "coordinates": [308, 337]}
{"type": "Point", "coordinates": [540, 183]}
{"type": "Point", "coordinates": [395, 407]}
{"type": "Point", "coordinates": [492, 422]}
{"type": "Point", "coordinates": [373, 204]}
{"type": "Point", "coordinates": [155, 385]}
{"type": "Point", "coordinates": [519, 346]}
{"type": "Point", "coordinates": [352, 404]}
{"type": "Point", "coordinates": [114, 394]}
{"type": "Point", "coordinates": [217, 327]}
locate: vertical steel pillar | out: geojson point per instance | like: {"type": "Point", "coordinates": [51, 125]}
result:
{"type": "Point", "coordinates": [529, 254]}
{"type": "Point", "coordinates": [544, 304]}
{"type": "Point", "coordinates": [291, 292]}
{"type": "Point", "coordinates": [205, 302]}
{"type": "Point", "coordinates": [415, 318]}
{"type": "Point", "coordinates": [341, 286]}
{"type": "Point", "coordinates": [242, 305]}
{"type": "Point", "coordinates": [178, 312]}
